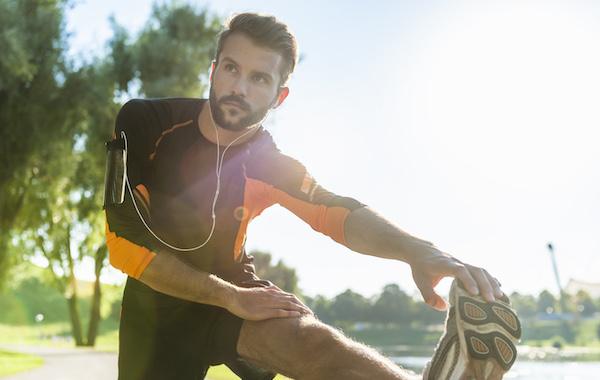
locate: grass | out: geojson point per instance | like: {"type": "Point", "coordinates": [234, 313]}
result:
{"type": "Point", "coordinates": [30, 335]}
{"type": "Point", "coordinates": [221, 372]}
{"type": "Point", "coordinates": [14, 362]}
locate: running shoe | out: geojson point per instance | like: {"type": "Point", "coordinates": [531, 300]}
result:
{"type": "Point", "coordinates": [479, 341]}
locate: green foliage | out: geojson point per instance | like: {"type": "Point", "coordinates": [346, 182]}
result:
{"type": "Point", "coordinates": [349, 307]}
{"type": "Point", "coordinates": [526, 306]}
{"type": "Point", "coordinates": [31, 298]}
{"type": "Point", "coordinates": [321, 306]}
{"type": "Point", "coordinates": [544, 333]}
{"type": "Point", "coordinates": [32, 294]}
{"type": "Point", "coordinates": [280, 274]}
{"type": "Point", "coordinates": [175, 47]}
{"type": "Point", "coordinates": [34, 106]}
{"type": "Point", "coordinates": [14, 362]}
{"type": "Point", "coordinates": [222, 372]}
{"type": "Point", "coordinates": [393, 336]}
{"type": "Point", "coordinates": [583, 304]}
{"type": "Point", "coordinates": [393, 306]}
{"type": "Point", "coordinates": [546, 303]}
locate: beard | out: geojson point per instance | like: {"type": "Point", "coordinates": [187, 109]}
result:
{"type": "Point", "coordinates": [253, 118]}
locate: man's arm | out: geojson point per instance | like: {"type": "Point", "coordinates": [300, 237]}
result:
{"type": "Point", "coordinates": [369, 233]}
{"type": "Point", "coordinates": [168, 274]}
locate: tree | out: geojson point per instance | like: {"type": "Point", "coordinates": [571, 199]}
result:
{"type": "Point", "coordinates": [525, 306]}
{"type": "Point", "coordinates": [321, 306]}
{"type": "Point", "coordinates": [349, 307]}
{"type": "Point", "coordinates": [33, 105]}
{"type": "Point", "coordinates": [546, 302]}
{"type": "Point", "coordinates": [280, 274]}
{"type": "Point", "coordinates": [61, 219]}
{"type": "Point", "coordinates": [171, 56]}
{"type": "Point", "coordinates": [393, 306]}
{"type": "Point", "coordinates": [425, 315]}
{"type": "Point", "coordinates": [584, 304]}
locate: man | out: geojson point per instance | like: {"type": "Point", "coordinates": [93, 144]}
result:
{"type": "Point", "coordinates": [197, 172]}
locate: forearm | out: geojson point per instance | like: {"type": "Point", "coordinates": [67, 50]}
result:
{"type": "Point", "coordinates": [168, 274]}
{"type": "Point", "coordinates": [370, 233]}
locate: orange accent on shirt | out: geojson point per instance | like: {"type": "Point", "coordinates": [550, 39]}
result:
{"type": "Point", "coordinates": [260, 195]}
{"type": "Point", "coordinates": [144, 193]}
{"type": "Point", "coordinates": [126, 256]}
{"type": "Point", "coordinates": [167, 132]}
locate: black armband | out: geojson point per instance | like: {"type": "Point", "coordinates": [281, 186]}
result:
{"type": "Point", "coordinates": [115, 177]}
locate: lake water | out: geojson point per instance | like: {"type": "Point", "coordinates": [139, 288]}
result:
{"type": "Point", "coordinates": [534, 363]}
{"type": "Point", "coordinates": [526, 369]}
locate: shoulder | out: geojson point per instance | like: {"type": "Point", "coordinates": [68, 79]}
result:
{"type": "Point", "coordinates": [171, 108]}
{"type": "Point", "coordinates": [269, 162]}
{"type": "Point", "coordinates": [145, 121]}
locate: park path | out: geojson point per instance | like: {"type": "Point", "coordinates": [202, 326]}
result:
{"type": "Point", "coordinates": [67, 363]}
{"type": "Point", "coordinates": [61, 363]}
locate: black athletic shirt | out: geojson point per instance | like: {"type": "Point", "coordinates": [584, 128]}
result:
{"type": "Point", "coordinates": [172, 171]}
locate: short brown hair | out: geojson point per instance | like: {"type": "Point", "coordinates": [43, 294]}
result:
{"type": "Point", "coordinates": [266, 31]}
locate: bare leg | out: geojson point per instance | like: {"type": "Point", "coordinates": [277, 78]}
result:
{"type": "Point", "coordinates": [304, 348]}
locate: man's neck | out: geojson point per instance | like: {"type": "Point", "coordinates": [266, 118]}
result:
{"type": "Point", "coordinates": [213, 132]}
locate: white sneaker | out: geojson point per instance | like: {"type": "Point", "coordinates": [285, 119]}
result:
{"type": "Point", "coordinates": [479, 341]}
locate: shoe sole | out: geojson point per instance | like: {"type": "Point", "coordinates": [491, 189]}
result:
{"type": "Point", "coordinates": [492, 345]}
{"type": "Point", "coordinates": [479, 313]}
{"type": "Point", "coordinates": [490, 329]}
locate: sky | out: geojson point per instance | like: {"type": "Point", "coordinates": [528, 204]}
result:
{"type": "Point", "coordinates": [471, 124]}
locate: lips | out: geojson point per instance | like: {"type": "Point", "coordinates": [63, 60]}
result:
{"type": "Point", "coordinates": [235, 102]}
{"type": "Point", "coordinates": [235, 105]}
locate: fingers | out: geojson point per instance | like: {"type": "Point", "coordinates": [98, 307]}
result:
{"type": "Point", "coordinates": [265, 303]}
{"type": "Point", "coordinates": [290, 302]}
{"type": "Point", "coordinates": [434, 300]}
{"type": "Point", "coordinates": [476, 280]}
{"type": "Point", "coordinates": [427, 289]}
{"type": "Point", "coordinates": [479, 281]}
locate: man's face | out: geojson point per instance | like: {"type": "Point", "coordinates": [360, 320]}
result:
{"type": "Point", "coordinates": [245, 83]}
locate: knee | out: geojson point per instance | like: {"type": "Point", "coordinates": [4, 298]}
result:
{"type": "Point", "coordinates": [314, 334]}
{"type": "Point", "coordinates": [304, 335]}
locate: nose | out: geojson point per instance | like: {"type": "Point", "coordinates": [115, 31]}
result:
{"type": "Point", "coordinates": [240, 86]}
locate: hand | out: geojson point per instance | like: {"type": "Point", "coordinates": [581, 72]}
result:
{"type": "Point", "coordinates": [429, 269]}
{"type": "Point", "coordinates": [261, 303]}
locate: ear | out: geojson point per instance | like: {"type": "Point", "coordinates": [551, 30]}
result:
{"type": "Point", "coordinates": [285, 91]}
{"type": "Point", "coordinates": [212, 70]}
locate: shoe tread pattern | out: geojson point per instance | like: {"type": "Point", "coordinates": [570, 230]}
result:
{"type": "Point", "coordinates": [491, 345]}
{"type": "Point", "coordinates": [479, 313]}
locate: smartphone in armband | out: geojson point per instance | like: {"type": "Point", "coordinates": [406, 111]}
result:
{"type": "Point", "coordinates": [115, 178]}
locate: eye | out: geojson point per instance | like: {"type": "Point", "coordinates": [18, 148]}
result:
{"type": "Point", "coordinates": [261, 79]}
{"type": "Point", "coordinates": [230, 68]}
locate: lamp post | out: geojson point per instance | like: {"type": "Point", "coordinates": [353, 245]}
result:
{"type": "Point", "coordinates": [560, 289]}
{"type": "Point", "coordinates": [38, 319]}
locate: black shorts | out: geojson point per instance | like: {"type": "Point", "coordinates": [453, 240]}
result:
{"type": "Point", "coordinates": [163, 337]}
